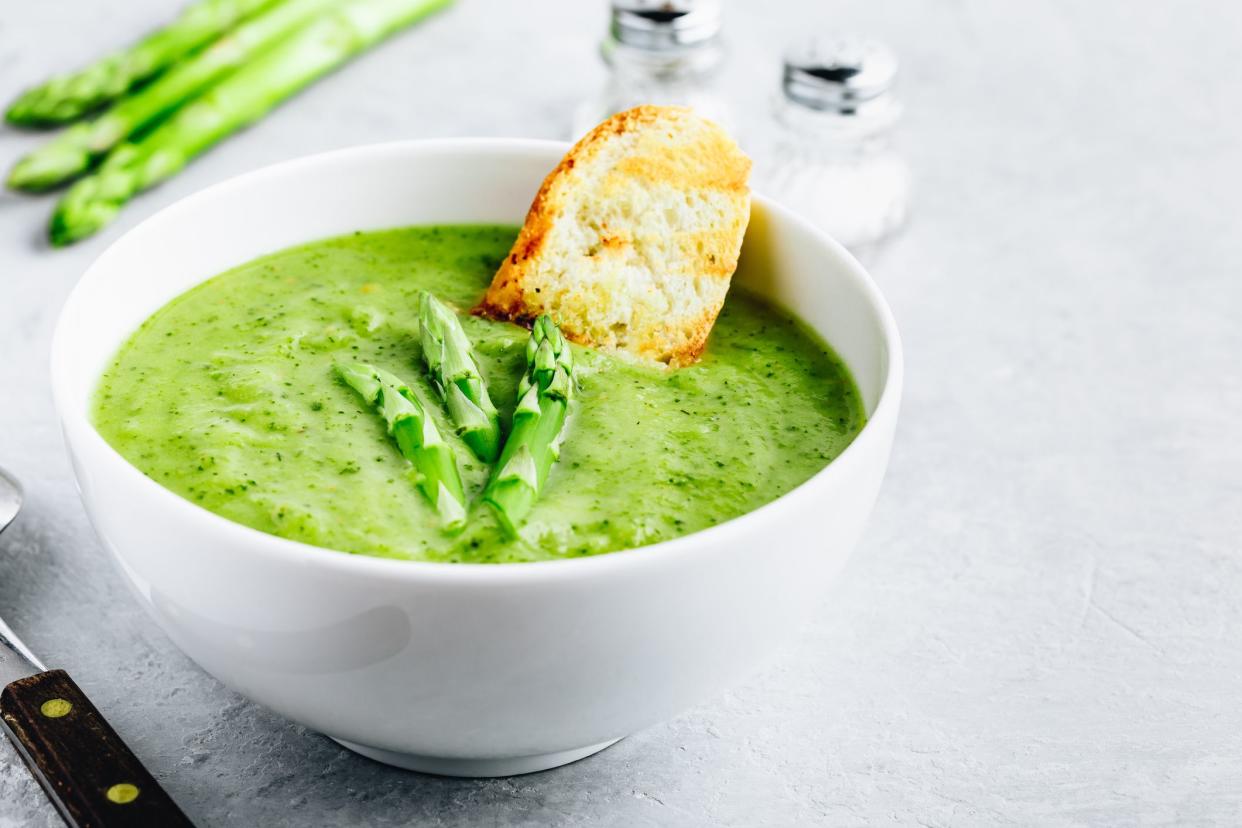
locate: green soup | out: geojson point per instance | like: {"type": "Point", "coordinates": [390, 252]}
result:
{"type": "Point", "coordinates": [227, 397]}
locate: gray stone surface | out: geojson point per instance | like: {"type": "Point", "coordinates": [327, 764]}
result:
{"type": "Point", "coordinates": [1042, 623]}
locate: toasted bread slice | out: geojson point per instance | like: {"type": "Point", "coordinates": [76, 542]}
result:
{"type": "Point", "coordinates": [632, 240]}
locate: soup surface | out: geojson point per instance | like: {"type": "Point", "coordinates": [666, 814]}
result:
{"type": "Point", "coordinates": [227, 397]}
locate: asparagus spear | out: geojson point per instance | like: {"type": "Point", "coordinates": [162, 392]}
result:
{"type": "Point", "coordinates": [241, 98]}
{"type": "Point", "coordinates": [538, 426]}
{"type": "Point", "coordinates": [66, 98]}
{"type": "Point", "coordinates": [417, 436]}
{"type": "Point", "coordinates": [457, 377]}
{"type": "Point", "coordinates": [75, 150]}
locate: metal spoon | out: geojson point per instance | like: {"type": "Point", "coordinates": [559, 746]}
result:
{"type": "Point", "coordinates": [10, 505]}
{"type": "Point", "coordinates": [90, 775]}
{"type": "Point", "coordinates": [10, 499]}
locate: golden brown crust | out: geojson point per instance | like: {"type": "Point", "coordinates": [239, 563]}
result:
{"type": "Point", "coordinates": [675, 161]}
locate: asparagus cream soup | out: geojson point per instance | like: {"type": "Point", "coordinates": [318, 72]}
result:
{"type": "Point", "coordinates": [231, 396]}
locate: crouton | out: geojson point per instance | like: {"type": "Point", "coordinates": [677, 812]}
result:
{"type": "Point", "coordinates": [632, 240]}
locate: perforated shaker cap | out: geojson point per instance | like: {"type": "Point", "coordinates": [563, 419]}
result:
{"type": "Point", "coordinates": [840, 74]}
{"type": "Point", "coordinates": [665, 24]}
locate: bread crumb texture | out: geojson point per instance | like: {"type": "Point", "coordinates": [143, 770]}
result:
{"type": "Point", "coordinates": [632, 240]}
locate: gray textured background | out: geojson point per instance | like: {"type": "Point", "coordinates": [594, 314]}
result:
{"type": "Point", "coordinates": [1042, 623]}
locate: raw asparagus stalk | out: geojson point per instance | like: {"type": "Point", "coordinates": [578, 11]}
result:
{"type": "Point", "coordinates": [241, 98]}
{"type": "Point", "coordinates": [417, 437]}
{"type": "Point", "coordinates": [538, 426]}
{"type": "Point", "coordinates": [68, 97]}
{"type": "Point", "coordinates": [451, 363]}
{"type": "Point", "coordinates": [74, 151]}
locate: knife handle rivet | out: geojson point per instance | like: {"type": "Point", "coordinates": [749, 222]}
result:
{"type": "Point", "coordinates": [122, 794]}
{"type": "Point", "coordinates": [55, 708]}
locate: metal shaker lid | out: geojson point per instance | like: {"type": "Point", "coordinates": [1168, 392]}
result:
{"type": "Point", "coordinates": [665, 24]}
{"type": "Point", "coordinates": [839, 74]}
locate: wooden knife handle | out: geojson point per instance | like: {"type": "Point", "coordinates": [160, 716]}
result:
{"type": "Point", "coordinates": [92, 778]}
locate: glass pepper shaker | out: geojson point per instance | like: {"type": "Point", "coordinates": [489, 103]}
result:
{"type": "Point", "coordinates": [830, 155]}
{"type": "Point", "coordinates": [666, 52]}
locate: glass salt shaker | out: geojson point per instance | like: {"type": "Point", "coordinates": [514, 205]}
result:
{"type": "Point", "coordinates": [666, 52]}
{"type": "Point", "coordinates": [830, 155]}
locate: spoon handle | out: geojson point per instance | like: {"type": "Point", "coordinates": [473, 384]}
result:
{"type": "Point", "coordinates": [92, 778]}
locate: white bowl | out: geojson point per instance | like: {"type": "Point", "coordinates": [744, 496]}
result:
{"type": "Point", "coordinates": [470, 670]}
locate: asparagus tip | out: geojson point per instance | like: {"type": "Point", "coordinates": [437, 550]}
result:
{"type": "Point", "coordinates": [75, 219]}
{"type": "Point", "coordinates": [40, 172]}
{"type": "Point", "coordinates": [21, 114]}
{"type": "Point", "coordinates": [506, 522]}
